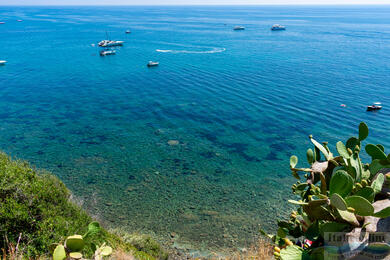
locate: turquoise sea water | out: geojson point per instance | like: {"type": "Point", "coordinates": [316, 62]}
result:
{"type": "Point", "coordinates": [198, 146]}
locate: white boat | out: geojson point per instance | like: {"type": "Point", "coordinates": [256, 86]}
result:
{"type": "Point", "coordinates": [239, 28]}
{"type": "Point", "coordinates": [152, 64]}
{"type": "Point", "coordinates": [2, 22]}
{"type": "Point", "coordinates": [107, 52]}
{"type": "Point", "coordinates": [278, 27]}
{"type": "Point", "coordinates": [20, 20]}
{"type": "Point", "coordinates": [3, 62]}
{"type": "Point", "coordinates": [128, 31]}
{"type": "Point", "coordinates": [109, 43]}
{"type": "Point", "coordinates": [375, 106]}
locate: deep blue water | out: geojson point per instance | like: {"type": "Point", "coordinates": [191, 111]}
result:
{"type": "Point", "coordinates": [239, 103]}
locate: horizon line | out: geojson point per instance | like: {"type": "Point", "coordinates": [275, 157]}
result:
{"type": "Point", "coordinates": [348, 4]}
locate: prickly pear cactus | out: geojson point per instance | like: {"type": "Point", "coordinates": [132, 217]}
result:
{"type": "Point", "coordinates": [102, 251]}
{"type": "Point", "coordinates": [336, 194]}
{"type": "Point", "coordinates": [74, 245]}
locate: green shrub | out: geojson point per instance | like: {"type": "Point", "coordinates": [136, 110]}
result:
{"type": "Point", "coordinates": [36, 206]}
{"type": "Point", "coordinates": [144, 243]}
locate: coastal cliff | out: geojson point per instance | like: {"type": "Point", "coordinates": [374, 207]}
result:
{"type": "Point", "coordinates": [36, 212]}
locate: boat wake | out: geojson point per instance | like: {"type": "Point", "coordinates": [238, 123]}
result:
{"type": "Point", "coordinates": [213, 50]}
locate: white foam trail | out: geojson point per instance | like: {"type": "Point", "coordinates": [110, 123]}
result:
{"type": "Point", "coordinates": [164, 50]}
{"type": "Point", "coordinates": [213, 50]}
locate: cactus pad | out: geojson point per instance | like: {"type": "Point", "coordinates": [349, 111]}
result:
{"type": "Point", "coordinates": [363, 131]}
{"type": "Point", "coordinates": [293, 161]}
{"type": "Point", "coordinates": [310, 156]}
{"type": "Point", "coordinates": [384, 213]}
{"type": "Point", "coordinates": [352, 142]}
{"type": "Point", "coordinates": [59, 253]}
{"type": "Point", "coordinates": [348, 217]}
{"type": "Point", "coordinates": [341, 183]}
{"type": "Point", "coordinates": [378, 183]}
{"type": "Point", "coordinates": [74, 243]}
{"type": "Point", "coordinates": [362, 206]}
{"type": "Point", "coordinates": [375, 152]}
{"type": "Point", "coordinates": [76, 255]}
{"type": "Point", "coordinates": [321, 148]}
{"type": "Point", "coordinates": [367, 193]}
{"type": "Point", "coordinates": [338, 202]}
{"type": "Point", "coordinates": [342, 150]}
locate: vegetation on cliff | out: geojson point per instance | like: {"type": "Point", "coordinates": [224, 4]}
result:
{"type": "Point", "coordinates": [36, 213]}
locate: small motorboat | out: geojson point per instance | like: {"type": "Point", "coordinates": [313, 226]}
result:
{"type": "Point", "coordinates": [20, 21]}
{"type": "Point", "coordinates": [3, 62]}
{"type": "Point", "coordinates": [278, 27]}
{"type": "Point", "coordinates": [374, 107]}
{"type": "Point", "coordinates": [107, 52]}
{"type": "Point", "coordinates": [128, 31]}
{"type": "Point", "coordinates": [239, 28]}
{"type": "Point", "coordinates": [152, 64]}
{"type": "Point", "coordinates": [2, 22]}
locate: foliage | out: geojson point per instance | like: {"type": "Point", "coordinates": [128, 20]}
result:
{"type": "Point", "coordinates": [74, 245]}
{"type": "Point", "coordinates": [36, 206]}
{"type": "Point", "coordinates": [144, 243]}
{"type": "Point", "coordinates": [36, 212]}
{"type": "Point", "coordinates": [337, 194]}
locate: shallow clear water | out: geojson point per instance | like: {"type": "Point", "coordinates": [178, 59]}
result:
{"type": "Point", "coordinates": [239, 103]}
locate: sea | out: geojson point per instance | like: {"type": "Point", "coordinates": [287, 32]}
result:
{"type": "Point", "coordinates": [194, 152]}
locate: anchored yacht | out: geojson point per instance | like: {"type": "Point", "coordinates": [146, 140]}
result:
{"type": "Point", "coordinates": [152, 64]}
{"type": "Point", "coordinates": [278, 27]}
{"type": "Point", "coordinates": [239, 28]}
{"type": "Point", "coordinates": [375, 106]}
{"type": "Point", "coordinates": [107, 52]}
{"type": "Point", "coordinates": [109, 43]}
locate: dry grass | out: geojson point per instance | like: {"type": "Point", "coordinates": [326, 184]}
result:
{"type": "Point", "coordinates": [119, 254]}
{"type": "Point", "coordinates": [262, 250]}
{"type": "Point", "coordinates": [13, 252]}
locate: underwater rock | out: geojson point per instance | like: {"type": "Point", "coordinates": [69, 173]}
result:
{"type": "Point", "coordinates": [210, 213]}
{"type": "Point", "coordinates": [218, 170]}
{"type": "Point", "coordinates": [158, 132]}
{"type": "Point", "coordinates": [190, 217]}
{"type": "Point", "coordinates": [173, 142]}
{"type": "Point", "coordinates": [208, 155]}
{"type": "Point", "coordinates": [130, 189]}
